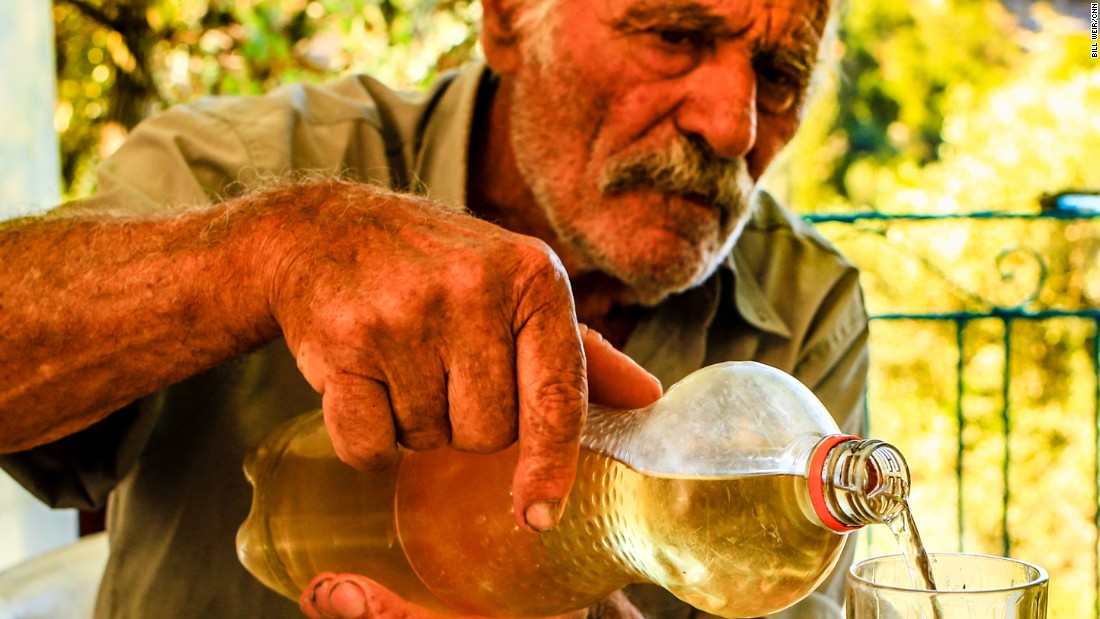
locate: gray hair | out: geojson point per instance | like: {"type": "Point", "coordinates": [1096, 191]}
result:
{"type": "Point", "coordinates": [537, 24]}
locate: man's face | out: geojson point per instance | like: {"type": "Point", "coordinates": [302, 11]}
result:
{"type": "Point", "coordinates": [644, 125]}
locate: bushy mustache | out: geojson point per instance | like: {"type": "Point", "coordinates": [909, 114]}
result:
{"type": "Point", "coordinates": [686, 168]}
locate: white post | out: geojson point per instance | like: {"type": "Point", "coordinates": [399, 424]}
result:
{"type": "Point", "coordinates": [29, 183]}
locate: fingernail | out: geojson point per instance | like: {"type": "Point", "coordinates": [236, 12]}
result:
{"type": "Point", "coordinates": [320, 583]}
{"type": "Point", "coordinates": [542, 516]}
{"type": "Point", "coordinates": [348, 599]}
{"type": "Point", "coordinates": [592, 334]}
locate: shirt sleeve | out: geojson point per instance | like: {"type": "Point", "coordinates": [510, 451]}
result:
{"type": "Point", "coordinates": [835, 360]}
{"type": "Point", "coordinates": [80, 470]}
{"type": "Point", "coordinates": [183, 158]}
{"type": "Point", "coordinates": [190, 156]}
{"type": "Point", "coordinates": [180, 159]}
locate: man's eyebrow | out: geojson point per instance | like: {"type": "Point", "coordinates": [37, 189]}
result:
{"type": "Point", "coordinates": [800, 53]}
{"type": "Point", "coordinates": [686, 15]}
{"type": "Point", "coordinates": [802, 58]}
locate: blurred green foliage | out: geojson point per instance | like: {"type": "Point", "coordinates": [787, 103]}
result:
{"type": "Point", "coordinates": [925, 94]}
{"type": "Point", "coordinates": [934, 106]}
{"type": "Point", "coordinates": [119, 61]}
{"type": "Point", "coordinates": [939, 107]}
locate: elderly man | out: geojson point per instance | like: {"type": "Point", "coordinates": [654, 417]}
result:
{"type": "Point", "coordinates": [599, 170]}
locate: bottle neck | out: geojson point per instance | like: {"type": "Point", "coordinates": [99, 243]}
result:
{"type": "Point", "coordinates": [855, 482]}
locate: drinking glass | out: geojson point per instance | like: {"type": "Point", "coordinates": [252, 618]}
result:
{"type": "Point", "coordinates": [968, 586]}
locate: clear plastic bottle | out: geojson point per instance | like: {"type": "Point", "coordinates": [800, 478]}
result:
{"type": "Point", "coordinates": [735, 491]}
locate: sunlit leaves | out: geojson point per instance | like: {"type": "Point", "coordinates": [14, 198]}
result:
{"type": "Point", "coordinates": [121, 60]}
{"type": "Point", "coordinates": [948, 107]}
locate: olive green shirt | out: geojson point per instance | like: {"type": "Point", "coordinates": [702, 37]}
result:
{"type": "Point", "coordinates": [171, 462]}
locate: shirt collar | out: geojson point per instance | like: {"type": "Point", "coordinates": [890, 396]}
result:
{"type": "Point", "coordinates": [443, 160]}
{"type": "Point", "coordinates": [753, 305]}
{"type": "Point", "coordinates": [671, 339]}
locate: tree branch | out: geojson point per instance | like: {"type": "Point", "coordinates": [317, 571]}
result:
{"type": "Point", "coordinates": [95, 14]}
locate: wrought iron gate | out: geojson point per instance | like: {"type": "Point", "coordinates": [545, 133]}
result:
{"type": "Point", "coordinates": [1045, 331]}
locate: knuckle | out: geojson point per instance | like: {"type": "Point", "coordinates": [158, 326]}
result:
{"type": "Point", "coordinates": [564, 406]}
{"type": "Point", "coordinates": [560, 394]}
{"type": "Point", "coordinates": [541, 284]}
{"type": "Point", "coordinates": [469, 280]}
{"type": "Point", "coordinates": [540, 260]}
{"type": "Point", "coordinates": [338, 321]}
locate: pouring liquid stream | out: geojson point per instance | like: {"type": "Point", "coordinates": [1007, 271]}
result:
{"type": "Point", "coordinates": [905, 531]}
{"type": "Point", "coordinates": [904, 528]}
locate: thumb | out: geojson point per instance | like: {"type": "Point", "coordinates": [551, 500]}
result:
{"type": "Point", "coordinates": [351, 596]}
{"type": "Point", "coordinates": [614, 379]}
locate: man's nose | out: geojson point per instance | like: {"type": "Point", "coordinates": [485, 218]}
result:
{"type": "Point", "coordinates": [719, 105]}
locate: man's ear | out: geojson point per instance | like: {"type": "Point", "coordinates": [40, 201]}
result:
{"type": "Point", "coordinates": [499, 38]}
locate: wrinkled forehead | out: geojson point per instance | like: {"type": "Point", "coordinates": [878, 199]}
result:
{"type": "Point", "coordinates": [788, 18]}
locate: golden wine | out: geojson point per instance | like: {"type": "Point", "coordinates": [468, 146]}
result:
{"type": "Point", "coordinates": [734, 492]}
{"type": "Point", "coordinates": [439, 525]}
{"type": "Point", "coordinates": [733, 547]}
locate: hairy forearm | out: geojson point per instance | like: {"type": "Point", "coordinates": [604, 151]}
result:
{"type": "Point", "coordinates": [419, 326]}
{"type": "Point", "coordinates": [95, 313]}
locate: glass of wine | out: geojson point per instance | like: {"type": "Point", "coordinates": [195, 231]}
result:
{"type": "Point", "coordinates": [967, 586]}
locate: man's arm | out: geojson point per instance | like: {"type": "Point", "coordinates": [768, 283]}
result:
{"type": "Point", "coordinates": [95, 313]}
{"type": "Point", "coordinates": [417, 325]}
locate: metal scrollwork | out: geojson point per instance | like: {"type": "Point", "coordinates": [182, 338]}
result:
{"type": "Point", "coordinates": [1009, 271]}
{"type": "Point", "coordinates": [1023, 271]}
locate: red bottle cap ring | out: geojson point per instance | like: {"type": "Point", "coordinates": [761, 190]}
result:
{"type": "Point", "coordinates": [817, 481]}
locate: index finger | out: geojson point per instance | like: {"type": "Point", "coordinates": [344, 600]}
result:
{"type": "Point", "coordinates": [553, 400]}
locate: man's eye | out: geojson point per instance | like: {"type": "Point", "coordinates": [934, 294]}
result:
{"type": "Point", "coordinates": [672, 37]}
{"type": "Point", "coordinates": [681, 38]}
{"type": "Point", "coordinates": [777, 90]}
{"type": "Point", "coordinates": [671, 50]}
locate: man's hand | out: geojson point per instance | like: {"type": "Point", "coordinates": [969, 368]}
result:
{"type": "Point", "coordinates": [614, 380]}
{"type": "Point", "coordinates": [428, 328]}
{"type": "Point", "coordinates": [350, 596]}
